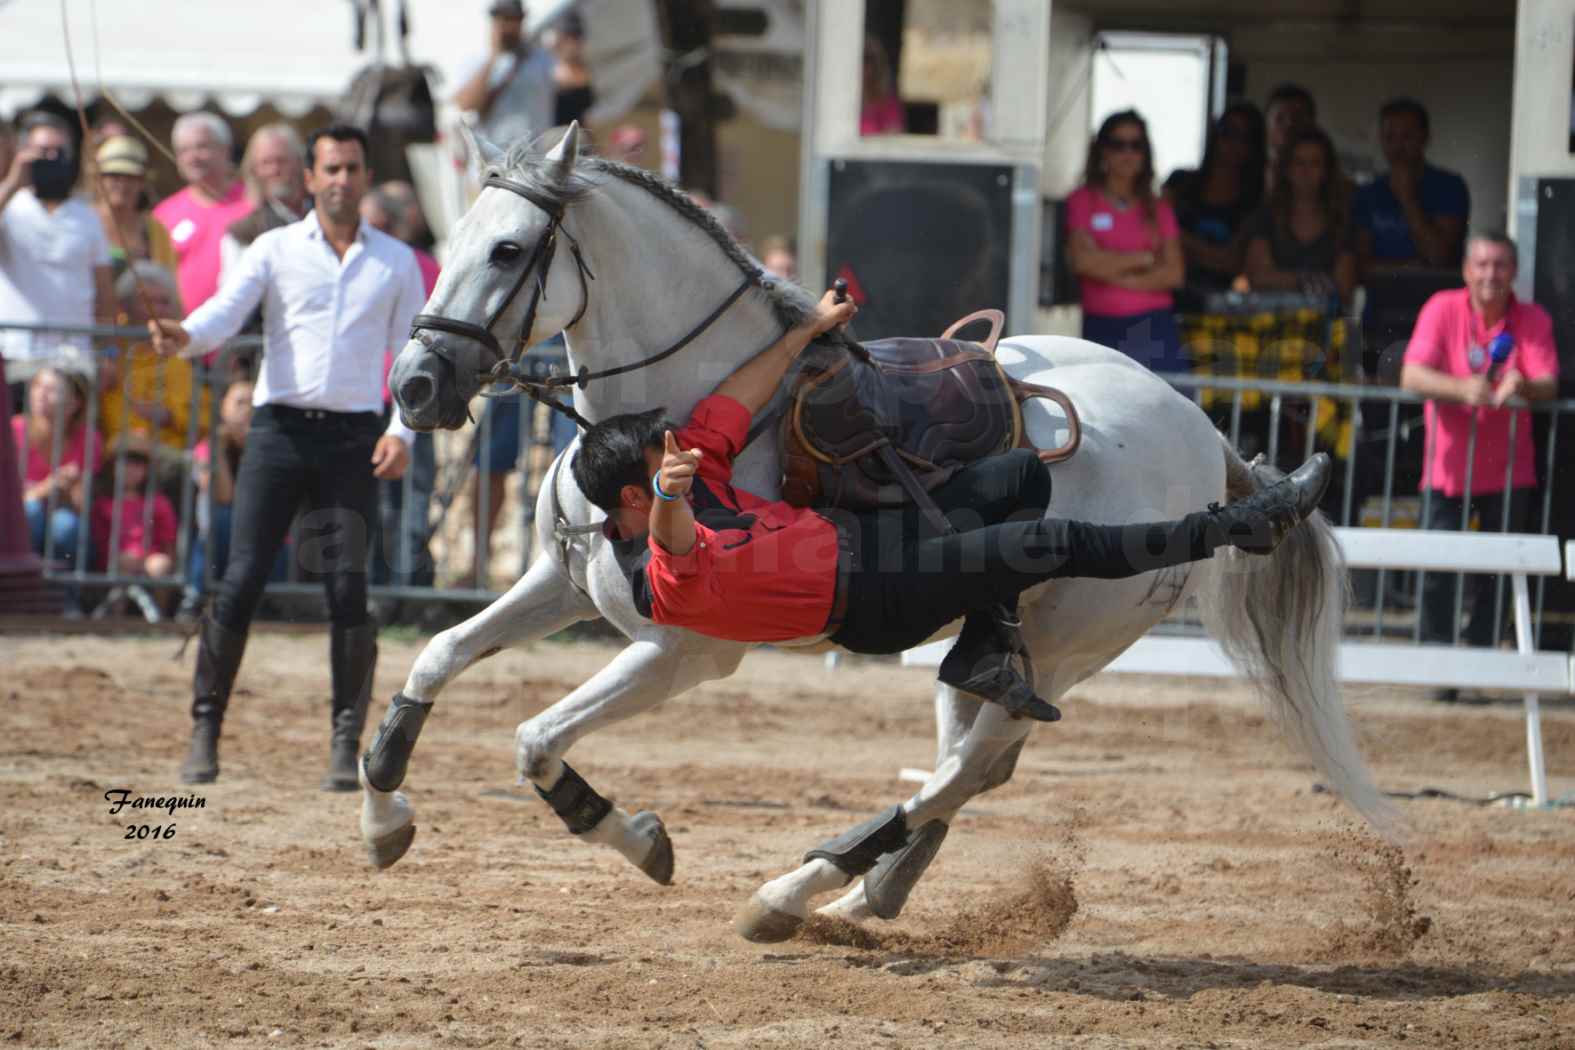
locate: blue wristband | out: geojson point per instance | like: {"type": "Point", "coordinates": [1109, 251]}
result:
{"type": "Point", "coordinates": [656, 485]}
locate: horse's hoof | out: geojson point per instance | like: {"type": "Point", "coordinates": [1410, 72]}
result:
{"type": "Point", "coordinates": [658, 863]}
{"type": "Point", "coordinates": [757, 921]}
{"type": "Point", "coordinates": [386, 849]}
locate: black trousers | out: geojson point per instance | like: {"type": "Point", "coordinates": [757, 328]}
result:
{"type": "Point", "coordinates": [907, 582]}
{"type": "Point", "coordinates": [1439, 588]}
{"type": "Point", "coordinates": [295, 459]}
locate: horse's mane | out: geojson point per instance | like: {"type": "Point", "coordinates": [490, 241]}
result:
{"type": "Point", "coordinates": [526, 163]}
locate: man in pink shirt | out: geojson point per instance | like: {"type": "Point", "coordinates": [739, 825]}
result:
{"type": "Point", "coordinates": [1472, 350]}
{"type": "Point", "coordinates": [199, 215]}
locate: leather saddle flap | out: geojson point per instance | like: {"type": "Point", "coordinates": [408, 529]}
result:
{"type": "Point", "coordinates": [940, 402]}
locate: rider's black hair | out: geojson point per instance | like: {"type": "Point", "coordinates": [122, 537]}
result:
{"type": "Point", "coordinates": [612, 455]}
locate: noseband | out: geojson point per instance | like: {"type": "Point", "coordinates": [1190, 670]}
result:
{"type": "Point", "coordinates": [507, 368]}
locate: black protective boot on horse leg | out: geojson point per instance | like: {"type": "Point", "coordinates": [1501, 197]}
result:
{"type": "Point", "coordinates": [219, 652]}
{"type": "Point", "coordinates": [352, 658]}
{"type": "Point", "coordinates": [383, 769]}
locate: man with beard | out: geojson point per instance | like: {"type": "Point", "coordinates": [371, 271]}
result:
{"type": "Point", "coordinates": [274, 169]}
{"type": "Point", "coordinates": [54, 260]}
{"type": "Point", "coordinates": [337, 294]}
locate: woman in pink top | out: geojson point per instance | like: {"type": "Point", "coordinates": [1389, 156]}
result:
{"type": "Point", "coordinates": [57, 402]}
{"type": "Point", "coordinates": [1125, 246]}
{"type": "Point", "coordinates": [881, 111]}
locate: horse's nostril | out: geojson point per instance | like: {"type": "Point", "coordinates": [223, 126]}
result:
{"type": "Point", "coordinates": [415, 392]}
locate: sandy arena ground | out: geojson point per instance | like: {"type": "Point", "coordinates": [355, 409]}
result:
{"type": "Point", "coordinates": [1158, 874]}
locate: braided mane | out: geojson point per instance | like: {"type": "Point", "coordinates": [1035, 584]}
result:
{"type": "Point", "coordinates": [526, 163]}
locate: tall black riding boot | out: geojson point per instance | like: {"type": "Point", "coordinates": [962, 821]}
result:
{"type": "Point", "coordinates": [352, 658]}
{"type": "Point", "coordinates": [1259, 522]}
{"type": "Point", "coordinates": [980, 663]}
{"type": "Point", "coordinates": [218, 658]}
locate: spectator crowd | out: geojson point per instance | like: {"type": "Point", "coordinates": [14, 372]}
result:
{"type": "Point", "coordinates": [1269, 210]}
{"type": "Point", "coordinates": [117, 436]}
{"type": "Point", "coordinates": [113, 435]}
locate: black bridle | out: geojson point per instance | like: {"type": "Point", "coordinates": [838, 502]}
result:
{"type": "Point", "coordinates": [507, 368]}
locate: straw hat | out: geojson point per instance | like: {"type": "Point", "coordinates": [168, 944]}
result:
{"type": "Point", "coordinates": [122, 155]}
{"type": "Point", "coordinates": [135, 443]}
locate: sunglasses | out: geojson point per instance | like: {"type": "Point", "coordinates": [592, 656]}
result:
{"type": "Point", "coordinates": [1125, 145]}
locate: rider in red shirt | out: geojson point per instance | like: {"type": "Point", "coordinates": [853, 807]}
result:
{"type": "Point", "coordinates": [702, 554]}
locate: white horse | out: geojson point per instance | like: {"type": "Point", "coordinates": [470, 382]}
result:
{"type": "Point", "coordinates": [662, 266]}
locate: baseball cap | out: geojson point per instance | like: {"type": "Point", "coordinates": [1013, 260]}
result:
{"type": "Point", "coordinates": [506, 9]}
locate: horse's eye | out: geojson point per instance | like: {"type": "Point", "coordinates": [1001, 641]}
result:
{"type": "Point", "coordinates": [506, 252]}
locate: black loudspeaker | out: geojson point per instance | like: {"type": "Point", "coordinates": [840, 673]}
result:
{"type": "Point", "coordinates": [1554, 290]}
{"type": "Point", "coordinates": [919, 244]}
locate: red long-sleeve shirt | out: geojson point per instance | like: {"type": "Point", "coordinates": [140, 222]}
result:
{"type": "Point", "coordinates": [760, 570]}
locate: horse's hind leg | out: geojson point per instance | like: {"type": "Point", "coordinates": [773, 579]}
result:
{"type": "Point", "coordinates": [541, 602]}
{"type": "Point", "coordinates": [660, 663]}
{"type": "Point", "coordinates": [976, 740]}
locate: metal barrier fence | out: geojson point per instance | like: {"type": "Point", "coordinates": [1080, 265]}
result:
{"type": "Point", "coordinates": [1375, 434]}
{"type": "Point", "coordinates": [174, 406]}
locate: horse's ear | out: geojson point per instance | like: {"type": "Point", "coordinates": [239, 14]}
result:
{"type": "Point", "coordinates": [487, 154]}
{"type": "Point", "coordinates": [566, 152]}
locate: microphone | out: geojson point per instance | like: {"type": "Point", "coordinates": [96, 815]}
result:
{"type": "Point", "coordinates": [1499, 349]}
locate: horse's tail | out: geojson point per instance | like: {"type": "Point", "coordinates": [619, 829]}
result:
{"type": "Point", "coordinates": [1279, 619]}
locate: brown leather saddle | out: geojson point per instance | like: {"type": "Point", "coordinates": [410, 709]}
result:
{"type": "Point", "coordinates": [883, 423]}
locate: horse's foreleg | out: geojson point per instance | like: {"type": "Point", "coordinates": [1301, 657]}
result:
{"type": "Point", "coordinates": [541, 602]}
{"type": "Point", "coordinates": [659, 664]}
{"type": "Point", "coordinates": [891, 851]}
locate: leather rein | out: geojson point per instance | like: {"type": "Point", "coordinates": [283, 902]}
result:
{"type": "Point", "coordinates": [507, 368]}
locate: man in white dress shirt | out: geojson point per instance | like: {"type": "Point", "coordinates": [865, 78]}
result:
{"type": "Point", "coordinates": [335, 294]}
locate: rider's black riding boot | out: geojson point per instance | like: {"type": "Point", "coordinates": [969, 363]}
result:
{"type": "Point", "coordinates": [1258, 523]}
{"type": "Point", "coordinates": [218, 658]}
{"type": "Point", "coordinates": [352, 657]}
{"type": "Point", "coordinates": [981, 663]}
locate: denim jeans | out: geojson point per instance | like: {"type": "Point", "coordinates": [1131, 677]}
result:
{"type": "Point", "coordinates": [1439, 588]}
{"type": "Point", "coordinates": [403, 528]}
{"type": "Point", "coordinates": [63, 529]}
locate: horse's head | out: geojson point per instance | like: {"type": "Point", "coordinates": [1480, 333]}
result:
{"type": "Point", "coordinates": [504, 287]}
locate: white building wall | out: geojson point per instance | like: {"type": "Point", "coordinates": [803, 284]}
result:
{"type": "Point", "coordinates": [1544, 111]}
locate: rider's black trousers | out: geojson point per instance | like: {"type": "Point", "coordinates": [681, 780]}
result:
{"type": "Point", "coordinates": [904, 583]}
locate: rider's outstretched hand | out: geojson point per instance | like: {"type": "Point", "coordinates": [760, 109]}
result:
{"type": "Point", "coordinates": [677, 475]}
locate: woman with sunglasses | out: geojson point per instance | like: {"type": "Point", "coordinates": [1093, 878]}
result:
{"type": "Point", "coordinates": [1214, 202]}
{"type": "Point", "coordinates": [1125, 246]}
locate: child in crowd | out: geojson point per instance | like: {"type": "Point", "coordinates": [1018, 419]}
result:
{"type": "Point", "coordinates": [215, 477]}
{"type": "Point", "coordinates": [133, 523]}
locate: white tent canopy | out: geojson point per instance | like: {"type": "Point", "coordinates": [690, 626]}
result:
{"type": "Point", "coordinates": [294, 54]}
